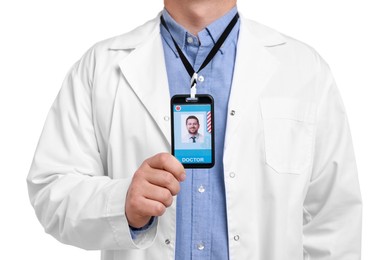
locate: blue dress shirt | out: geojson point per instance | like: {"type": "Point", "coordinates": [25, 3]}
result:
{"type": "Point", "coordinates": [201, 204]}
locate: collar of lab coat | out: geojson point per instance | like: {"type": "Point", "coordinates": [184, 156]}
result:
{"type": "Point", "coordinates": [145, 72]}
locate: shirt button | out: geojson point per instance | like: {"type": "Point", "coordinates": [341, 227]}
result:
{"type": "Point", "coordinates": [166, 118]}
{"type": "Point", "coordinates": [232, 112]}
{"type": "Point", "coordinates": [190, 40]}
{"type": "Point", "coordinates": [236, 237]}
{"type": "Point", "coordinates": [232, 175]}
{"type": "Point", "coordinates": [201, 78]}
{"type": "Point", "coordinates": [201, 189]}
{"type": "Point", "coordinates": [200, 246]}
{"type": "Point", "coordinates": [167, 241]}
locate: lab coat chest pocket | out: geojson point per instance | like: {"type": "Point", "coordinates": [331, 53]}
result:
{"type": "Point", "coordinates": [289, 126]}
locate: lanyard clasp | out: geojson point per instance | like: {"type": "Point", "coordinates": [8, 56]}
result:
{"type": "Point", "coordinates": [193, 86]}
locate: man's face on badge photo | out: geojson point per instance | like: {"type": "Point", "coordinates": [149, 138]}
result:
{"type": "Point", "coordinates": [192, 126]}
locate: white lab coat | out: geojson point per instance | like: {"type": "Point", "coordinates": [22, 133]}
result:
{"type": "Point", "coordinates": [292, 191]}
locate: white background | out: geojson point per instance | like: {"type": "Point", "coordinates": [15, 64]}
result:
{"type": "Point", "coordinates": [41, 39]}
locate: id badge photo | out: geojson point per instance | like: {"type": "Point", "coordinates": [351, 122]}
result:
{"type": "Point", "coordinates": [192, 128]}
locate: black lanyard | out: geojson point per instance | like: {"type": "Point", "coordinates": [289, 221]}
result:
{"type": "Point", "coordinates": [209, 57]}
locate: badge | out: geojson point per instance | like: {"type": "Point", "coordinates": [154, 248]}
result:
{"type": "Point", "coordinates": [192, 128]}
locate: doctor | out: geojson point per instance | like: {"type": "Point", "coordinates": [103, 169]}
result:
{"type": "Point", "coordinates": [193, 135]}
{"type": "Point", "coordinates": [284, 185]}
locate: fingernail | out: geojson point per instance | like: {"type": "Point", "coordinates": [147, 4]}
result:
{"type": "Point", "coordinates": [182, 177]}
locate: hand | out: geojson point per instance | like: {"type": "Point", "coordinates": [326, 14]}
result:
{"type": "Point", "coordinates": [152, 189]}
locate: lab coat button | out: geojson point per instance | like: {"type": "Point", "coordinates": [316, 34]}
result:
{"type": "Point", "coordinates": [167, 241]}
{"type": "Point", "coordinates": [166, 118]}
{"type": "Point", "coordinates": [236, 237]}
{"type": "Point", "coordinates": [232, 113]}
{"type": "Point", "coordinates": [232, 175]}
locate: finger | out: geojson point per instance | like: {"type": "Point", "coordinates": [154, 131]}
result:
{"type": "Point", "coordinates": [163, 179]}
{"type": "Point", "coordinates": [148, 207]}
{"type": "Point", "coordinates": [167, 162]}
{"type": "Point", "coordinates": [157, 193]}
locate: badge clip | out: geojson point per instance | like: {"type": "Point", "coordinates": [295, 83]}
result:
{"type": "Point", "coordinates": [193, 97]}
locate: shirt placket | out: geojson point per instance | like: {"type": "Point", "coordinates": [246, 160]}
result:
{"type": "Point", "coordinates": [200, 190]}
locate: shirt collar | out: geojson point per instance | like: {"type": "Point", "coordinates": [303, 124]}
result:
{"type": "Point", "coordinates": [207, 36]}
{"type": "Point", "coordinates": [216, 28]}
{"type": "Point", "coordinates": [191, 135]}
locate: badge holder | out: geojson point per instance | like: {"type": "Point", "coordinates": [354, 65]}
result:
{"type": "Point", "coordinates": [193, 130]}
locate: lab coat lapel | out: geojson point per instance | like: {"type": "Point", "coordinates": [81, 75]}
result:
{"type": "Point", "coordinates": [254, 67]}
{"type": "Point", "coordinates": [144, 70]}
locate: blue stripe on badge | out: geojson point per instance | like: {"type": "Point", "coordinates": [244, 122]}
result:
{"type": "Point", "coordinates": [192, 108]}
{"type": "Point", "coordinates": [194, 156]}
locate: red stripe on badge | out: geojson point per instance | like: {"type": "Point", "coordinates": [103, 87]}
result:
{"type": "Point", "coordinates": [209, 121]}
